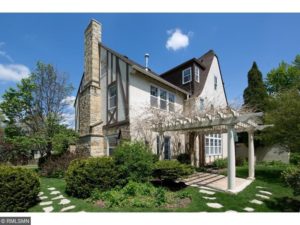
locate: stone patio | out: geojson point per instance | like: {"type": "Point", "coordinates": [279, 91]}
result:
{"type": "Point", "coordinates": [216, 182]}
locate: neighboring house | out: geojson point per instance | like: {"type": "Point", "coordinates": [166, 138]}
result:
{"type": "Point", "coordinates": [115, 90]}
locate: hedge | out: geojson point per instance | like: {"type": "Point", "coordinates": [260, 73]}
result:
{"type": "Point", "coordinates": [19, 188]}
{"type": "Point", "coordinates": [85, 175]}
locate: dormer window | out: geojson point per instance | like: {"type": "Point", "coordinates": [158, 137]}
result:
{"type": "Point", "coordinates": [197, 74]}
{"type": "Point", "coordinates": [187, 75]}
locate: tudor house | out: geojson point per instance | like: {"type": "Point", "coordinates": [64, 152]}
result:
{"type": "Point", "coordinates": [114, 89]}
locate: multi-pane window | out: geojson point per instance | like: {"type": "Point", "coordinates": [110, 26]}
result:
{"type": "Point", "coordinates": [112, 97]}
{"type": "Point", "coordinates": [171, 102]}
{"type": "Point", "coordinates": [202, 107]}
{"type": "Point", "coordinates": [163, 99]}
{"type": "Point", "coordinates": [154, 96]}
{"type": "Point", "coordinates": [187, 75]}
{"type": "Point", "coordinates": [213, 144]}
{"type": "Point", "coordinates": [160, 98]}
{"type": "Point", "coordinates": [215, 82]}
{"type": "Point", "coordinates": [197, 74]}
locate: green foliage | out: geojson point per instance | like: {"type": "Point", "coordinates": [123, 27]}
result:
{"type": "Point", "coordinates": [285, 77]}
{"type": "Point", "coordinates": [284, 113]}
{"type": "Point", "coordinates": [85, 175]}
{"type": "Point", "coordinates": [184, 158]}
{"type": "Point", "coordinates": [19, 189]}
{"type": "Point", "coordinates": [55, 166]}
{"type": "Point", "coordinates": [134, 161]}
{"type": "Point", "coordinates": [62, 139]}
{"type": "Point", "coordinates": [135, 195]}
{"type": "Point", "coordinates": [34, 110]}
{"type": "Point", "coordinates": [255, 95]}
{"type": "Point", "coordinates": [295, 158]}
{"type": "Point", "coordinates": [220, 163]}
{"type": "Point", "coordinates": [171, 170]}
{"type": "Point", "coordinates": [291, 176]}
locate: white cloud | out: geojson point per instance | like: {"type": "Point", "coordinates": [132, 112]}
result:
{"type": "Point", "coordinates": [69, 100]}
{"type": "Point", "coordinates": [13, 72]}
{"type": "Point", "coordinates": [5, 55]}
{"type": "Point", "coordinates": [177, 39]}
{"type": "Point", "coordinates": [69, 119]}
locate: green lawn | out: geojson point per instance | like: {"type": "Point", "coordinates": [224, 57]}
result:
{"type": "Point", "coordinates": [281, 200]}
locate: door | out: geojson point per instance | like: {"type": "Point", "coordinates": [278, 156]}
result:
{"type": "Point", "coordinates": [167, 148]}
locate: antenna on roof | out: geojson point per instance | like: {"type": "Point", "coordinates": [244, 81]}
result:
{"type": "Point", "coordinates": [146, 61]}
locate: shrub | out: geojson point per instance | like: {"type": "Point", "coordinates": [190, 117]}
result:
{"type": "Point", "coordinates": [133, 194]}
{"type": "Point", "coordinates": [85, 175]}
{"type": "Point", "coordinates": [291, 176]}
{"type": "Point", "coordinates": [55, 166]}
{"type": "Point", "coordinates": [241, 161]}
{"type": "Point", "coordinates": [134, 162]}
{"type": "Point", "coordinates": [184, 158]}
{"type": "Point", "coordinates": [295, 158]}
{"type": "Point", "coordinates": [171, 170]}
{"type": "Point", "coordinates": [220, 163]}
{"type": "Point", "coordinates": [19, 188]}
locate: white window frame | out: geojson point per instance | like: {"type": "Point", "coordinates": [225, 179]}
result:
{"type": "Point", "coordinates": [154, 97]}
{"type": "Point", "coordinates": [110, 97]}
{"type": "Point", "coordinates": [171, 104]}
{"type": "Point", "coordinates": [197, 74]}
{"type": "Point", "coordinates": [190, 75]}
{"type": "Point", "coordinates": [159, 99]}
{"type": "Point", "coordinates": [214, 147]}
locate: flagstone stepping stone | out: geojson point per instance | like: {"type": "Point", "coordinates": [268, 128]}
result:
{"type": "Point", "coordinates": [194, 185]}
{"type": "Point", "coordinates": [40, 193]}
{"type": "Point", "coordinates": [214, 205]}
{"type": "Point", "coordinates": [67, 208]}
{"type": "Point", "coordinates": [248, 209]}
{"type": "Point", "coordinates": [263, 196]}
{"type": "Point", "coordinates": [58, 197]}
{"type": "Point", "coordinates": [46, 203]}
{"type": "Point", "coordinates": [266, 192]}
{"type": "Point", "coordinates": [207, 192]}
{"type": "Point", "coordinates": [51, 188]}
{"type": "Point", "coordinates": [48, 209]}
{"type": "Point", "coordinates": [209, 198]}
{"type": "Point", "coordinates": [55, 192]}
{"type": "Point", "coordinates": [260, 187]}
{"type": "Point", "coordinates": [255, 201]}
{"type": "Point", "coordinates": [64, 201]}
{"type": "Point", "coordinates": [206, 188]}
{"type": "Point", "coordinates": [43, 197]}
{"type": "Point", "coordinates": [231, 211]}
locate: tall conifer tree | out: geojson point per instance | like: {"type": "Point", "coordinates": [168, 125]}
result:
{"type": "Point", "coordinates": [255, 94]}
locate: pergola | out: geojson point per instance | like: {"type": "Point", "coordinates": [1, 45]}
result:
{"type": "Point", "coordinates": [223, 121]}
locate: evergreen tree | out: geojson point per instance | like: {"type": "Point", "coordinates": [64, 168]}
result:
{"type": "Point", "coordinates": [255, 95]}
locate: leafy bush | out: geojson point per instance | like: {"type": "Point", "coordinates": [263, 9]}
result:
{"type": "Point", "coordinates": [85, 175]}
{"type": "Point", "coordinates": [291, 176]}
{"type": "Point", "coordinates": [171, 170]}
{"type": "Point", "coordinates": [134, 162]}
{"type": "Point", "coordinates": [184, 158]}
{"type": "Point", "coordinates": [220, 163]}
{"type": "Point", "coordinates": [241, 161]}
{"type": "Point", "coordinates": [19, 188]}
{"type": "Point", "coordinates": [55, 166]}
{"type": "Point", "coordinates": [155, 158]}
{"type": "Point", "coordinates": [295, 158]}
{"type": "Point", "coordinates": [134, 195]}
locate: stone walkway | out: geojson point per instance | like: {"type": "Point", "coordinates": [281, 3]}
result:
{"type": "Point", "coordinates": [54, 196]}
{"type": "Point", "coordinates": [208, 195]}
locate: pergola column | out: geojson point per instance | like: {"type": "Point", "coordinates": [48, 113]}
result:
{"type": "Point", "coordinates": [251, 157]}
{"type": "Point", "coordinates": [231, 159]}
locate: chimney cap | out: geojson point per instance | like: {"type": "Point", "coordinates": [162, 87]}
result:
{"type": "Point", "coordinates": [147, 55]}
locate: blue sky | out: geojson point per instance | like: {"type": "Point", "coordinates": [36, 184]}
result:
{"type": "Point", "coordinates": [237, 39]}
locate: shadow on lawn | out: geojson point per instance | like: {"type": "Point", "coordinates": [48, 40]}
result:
{"type": "Point", "coordinates": [170, 185]}
{"type": "Point", "coordinates": [284, 204]}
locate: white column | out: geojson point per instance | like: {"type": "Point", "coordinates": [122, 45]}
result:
{"type": "Point", "coordinates": [251, 157]}
{"type": "Point", "coordinates": [197, 150]}
{"type": "Point", "coordinates": [231, 159]}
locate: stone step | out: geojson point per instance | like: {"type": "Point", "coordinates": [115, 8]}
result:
{"type": "Point", "coordinates": [205, 180]}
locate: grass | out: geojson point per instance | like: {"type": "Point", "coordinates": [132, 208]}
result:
{"type": "Point", "coordinates": [281, 200]}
